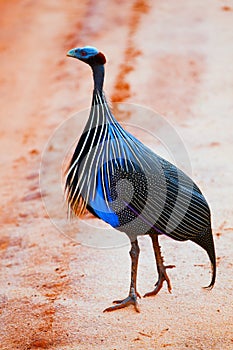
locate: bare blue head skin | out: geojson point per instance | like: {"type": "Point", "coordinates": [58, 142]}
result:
{"type": "Point", "coordinates": [95, 59]}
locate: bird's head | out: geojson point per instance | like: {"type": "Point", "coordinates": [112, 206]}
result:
{"type": "Point", "coordinates": [88, 54]}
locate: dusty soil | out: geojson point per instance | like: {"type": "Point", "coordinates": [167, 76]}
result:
{"type": "Point", "coordinates": [174, 57]}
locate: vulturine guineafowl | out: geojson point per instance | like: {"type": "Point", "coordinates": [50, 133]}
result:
{"type": "Point", "coordinates": [124, 183]}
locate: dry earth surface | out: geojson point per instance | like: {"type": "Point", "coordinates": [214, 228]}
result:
{"type": "Point", "coordinates": [172, 56]}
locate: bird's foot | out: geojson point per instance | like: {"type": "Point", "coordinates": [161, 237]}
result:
{"type": "Point", "coordinates": [120, 304]}
{"type": "Point", "coordinates": [162, 277]}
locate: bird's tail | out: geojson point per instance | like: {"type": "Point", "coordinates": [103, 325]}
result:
{"type": "Point", "coordinates": [206, 241]}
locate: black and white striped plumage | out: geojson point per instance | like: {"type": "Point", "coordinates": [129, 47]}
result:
{"type": "Point", "coordinates": [124, 183]}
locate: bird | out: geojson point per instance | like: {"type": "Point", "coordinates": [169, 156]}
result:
{"type": "Point", "coordinates": [120, 180]}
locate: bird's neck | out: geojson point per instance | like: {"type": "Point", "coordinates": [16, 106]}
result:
{"type": "Point", "coordinates": [98, 75]}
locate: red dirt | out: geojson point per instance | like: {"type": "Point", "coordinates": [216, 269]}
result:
{"type": "Point", "coordinates": [175, 57]}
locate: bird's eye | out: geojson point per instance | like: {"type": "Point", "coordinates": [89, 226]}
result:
{"type": "Point", "coordinates": [83, 53]}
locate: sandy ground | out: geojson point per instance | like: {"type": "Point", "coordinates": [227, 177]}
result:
{"type": "Point", "coordinates": [174, 57]}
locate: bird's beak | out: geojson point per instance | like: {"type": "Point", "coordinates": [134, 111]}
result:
{"type": "Point", "coordinates": [71, 53]}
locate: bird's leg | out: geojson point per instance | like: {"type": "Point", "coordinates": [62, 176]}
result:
{"type": "Point", "coordinates": [160, 267]}
{"type": "Point", "coordinates": [133, 294]}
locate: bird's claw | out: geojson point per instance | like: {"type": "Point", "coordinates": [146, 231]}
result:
{"type": "Point", "coordinates": [120, 304]}
{"type": "Point", "coordinates": [162, 277]}
{"type": "Point", "coordinates": [122, 300]}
